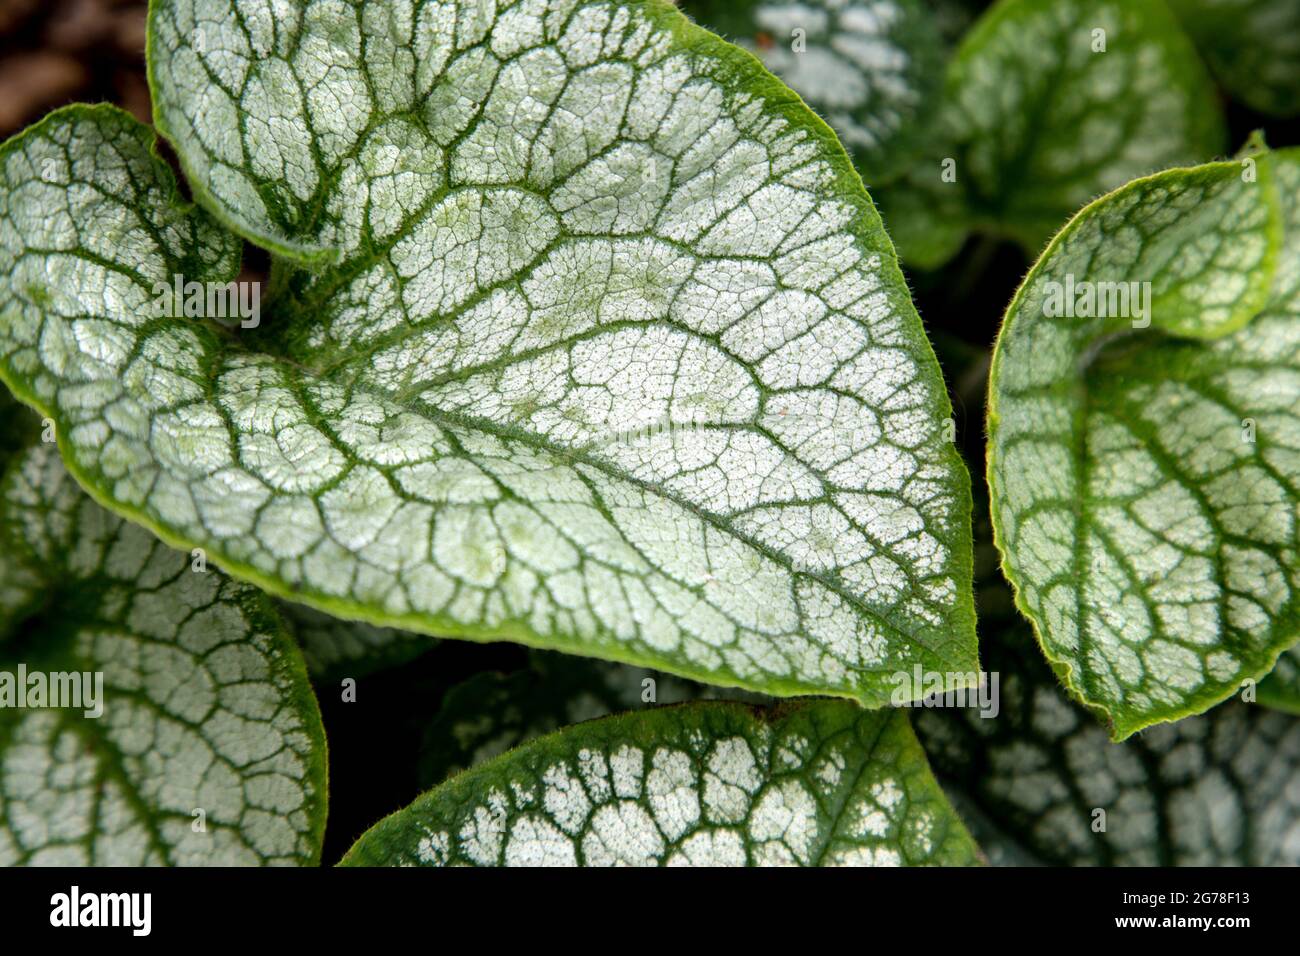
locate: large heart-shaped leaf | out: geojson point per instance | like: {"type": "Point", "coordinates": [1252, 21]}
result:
{"type": "Point", "coordinates": [871, 68]}
{"type": "Point", "coordinates": [708, 784]}
{"type": "Point", "coordinates": [613, 356]}
{"type": "Point", "coordinates": [174, 724]}
{"type": "Point", "coordinates": [1046, 106]}
{"type": "Point", "coordinates": [1253, 47]}
{"type": "Point", "coordinates": [1145, 462]}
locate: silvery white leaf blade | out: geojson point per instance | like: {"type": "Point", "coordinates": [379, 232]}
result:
{"type": "Point", "coordinates": [1144, 470]}
{"type": "Point", "coordinates": [814, 783]}
{"type": "Point", "coordinates": [176, 725]}
{"type": "Point", "coordinates": [717, 451]}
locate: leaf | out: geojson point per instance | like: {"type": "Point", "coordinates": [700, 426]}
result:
{"type": "Point", "coordinates": [696, 428]}
{"type": "Point", "coordinates": [208, 746]}
{"type": "Point", "coordinates": [490, 713]}
{"type": "Point", "coordinates": [1253, 47]}
{"type": "Point", "coordinates": [1035, 783]}
{"type": "Point", "coordinates": [1145, 480]}
{"type": "Point", "coordinates": [1037, 120]}
{"type": "Point", "coordinates": [335, 648]}
{"type": "Point", "coordinates": [716, 784]}
{"type": "Point", "coordinates": [871, 68]}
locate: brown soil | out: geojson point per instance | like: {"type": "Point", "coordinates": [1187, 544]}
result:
{"type": "Point", "coordinates": [59, 52]}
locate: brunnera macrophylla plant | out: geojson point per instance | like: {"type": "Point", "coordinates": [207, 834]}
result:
{"type": "Point", "coordinates": [713, 784]}
{"type": "Point", "coordinates": [195, 736]}
{"type": "Point", "coordinates": [1144, 462]}
{"type": "Point", "coordinates": [606, 351]}
{"type": "Point", "coordinates": [582, 332]}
